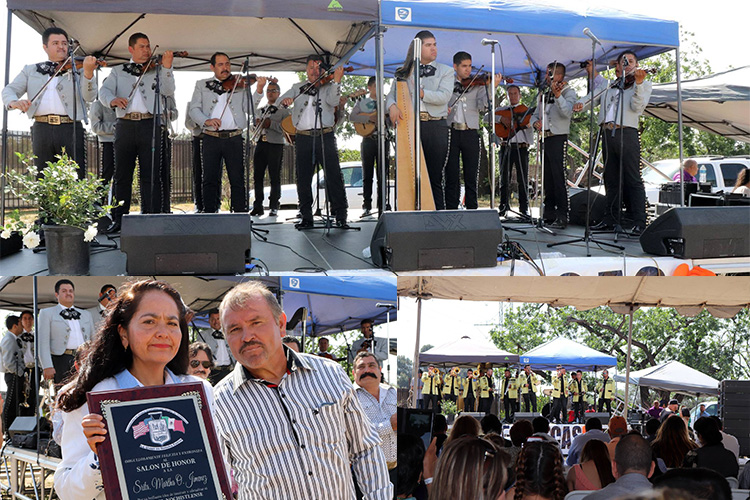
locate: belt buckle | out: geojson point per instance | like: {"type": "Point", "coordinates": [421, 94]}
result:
{"type": "Point", "coordinates": [53, 119]}
{"type": "Point", "coordinates": [135, 116]}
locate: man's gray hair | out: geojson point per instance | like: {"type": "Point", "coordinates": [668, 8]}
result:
{"type": "Point", "coordinates": [236, 298]}
{"type": "Point", "coordinates": [690, 163]}
{"type": "Point", "coordinates": [366, 354]}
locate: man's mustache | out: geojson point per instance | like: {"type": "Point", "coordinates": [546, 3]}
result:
{"type": "Point", "coordinates": [250, 344]}
{"type": "Point", "coordinates": [368, 374]}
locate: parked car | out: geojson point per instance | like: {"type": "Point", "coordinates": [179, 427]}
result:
{"type": "Point", "coordinates": [712, 408]}
{"type": "Point", "coordinates": [353, 184]}
{"type": "Point", "coordinates": [719, 171]}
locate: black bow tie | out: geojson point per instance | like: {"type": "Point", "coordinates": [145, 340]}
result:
{"type": "Point", "coordinates": [46, 68]}
{"type": "Point", "coordinates": [309, 89]}
{"type": "Point", "coordinates": [70, 314]}
{"type": "Point", "coordinates": [426, 70]}
{"type": "Point", "coordinates": [27, 337]}
{"type": "Point", "coordinates": [458, 88]}
{"type": "Point", "coordinates": [18, 341]}
{"type": "Point", "coordinates": [217, 334]}
{"type": "Point", "coordinates": [134, 69]}
{"type": "Point", "coordinates": [215, 86]}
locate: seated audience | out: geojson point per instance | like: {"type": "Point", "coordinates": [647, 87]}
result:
{"type": "Point", "coordinates": [465, 425]}
{"type": "Point", "coordinates": [616, 428]}
{"type": "Point", "coordinates": [700, 483]}
{"type": "Point", "coordinates": [742, 186]}
{"type": "Point", "coordinates": [595, 470]}
{"type": "Point", "coordinates": [672, 442]}
{"type": "Point", "coordinates": [730, 442]}
{"type": "Point", "coordinates": [744, 478]}
{"type": "Point", "coordinates": [439, 431]}
{"type": "Point", "coordinates": [593, 431]}
{"type": "Point", "coordinates": [712, 454]}
{"type": "Point", "coordinates": [671, 409]}
{"type": "Point", "coordinates": [409, 470]}
{"type": "Point", "coordinates": [685, 414]}
{"type": "Point", "coordinates": [541, 429]}
{"type": "Point", "coordinates": [539, 472]}
{"type": "Point", "coordinates": [652, 427]}
{"type": "Point", "coordinates": [519, 433]}
{"type": "Point", "coordinates": [470, 468]}
{"type": "Point", "coordinates": [490, 423]}
{"type": "Point", "coordinates": [631, 468]}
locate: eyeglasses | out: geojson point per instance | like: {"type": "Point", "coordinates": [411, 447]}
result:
{"type": "Point", "coordinates": [273, 91]}
{"type": "Point", "coordinates": [194, 363]}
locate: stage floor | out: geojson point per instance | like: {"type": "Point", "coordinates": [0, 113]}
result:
{"type": "Point", "coordinates": [289, 251]}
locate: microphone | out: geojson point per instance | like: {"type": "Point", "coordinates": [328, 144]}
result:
{"type": "Point", "coordinates": [589, 34]}
{"type": "Point", "coordinates": [487, 41]}
{"type": "Point", "coordinates": [625, 62]}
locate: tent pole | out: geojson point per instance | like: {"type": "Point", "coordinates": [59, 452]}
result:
{"type": "Point", "coordinates": [5, 121]}
{"type": "Point", "coordinates": [627, 360]}
{"type": "Point", "coordinates": [415, 368]}
{"type": "Point", "coordinates": [382, 167]}
{"type": "Point", "coordinates": [37, 410]}
{"type": "Point", "coordinates": [679, 123]}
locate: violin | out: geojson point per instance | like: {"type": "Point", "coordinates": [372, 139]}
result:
{"type": "Point", "coordinates": [244, 81]}
{"type": "Point", "coordinates": [78, 60]}
{"type": "Point", "coordinates": [506, 132]}
{"type": "Point", "coordinates": [153, 61]}
{"type": "Point", "coordinates": [329, 78]}
{"type": "Point", "coordinates": [481, 79]}
{"type": "Point", "coordinates": [630, 78]}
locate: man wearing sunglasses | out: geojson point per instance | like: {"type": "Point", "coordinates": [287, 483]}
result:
{"type": "Point", "coordinates": [223, 362]}
{"type": "Point", "coordinates": [201, 360]}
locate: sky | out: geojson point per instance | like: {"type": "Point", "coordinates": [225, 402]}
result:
{"type": "Point", "coordinates": [719, 29]}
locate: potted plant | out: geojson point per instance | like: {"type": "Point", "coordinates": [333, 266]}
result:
{"type": "Point", "coordinates": [68, 210]}
{"type": "Point", "coordinates": [449, 409]}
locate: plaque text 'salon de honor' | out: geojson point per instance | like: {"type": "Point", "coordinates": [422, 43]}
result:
{"type": "Point", "coordinates": [160, 444]}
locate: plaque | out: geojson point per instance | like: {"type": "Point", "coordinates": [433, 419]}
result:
{"type": "Point", "coordinates": [160, 444]}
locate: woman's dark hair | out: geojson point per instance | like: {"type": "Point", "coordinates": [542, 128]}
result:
{"type": "Point", "coordinates": [410, 457]}
{"type": "Point", "coordinates": [465, 425]}
{"type": "Point", "coordinates": [673, 442]}
{"type": "Point", "coordinates": [107, 356]}
{"type": "Point", "coordinates": [490, 423]}
{"type": "Point", "coordinates": [708, 431]}
{"type": "Point", "coordinates": [520, 432]}
{"type": "Point", "coordinates": [597, 451]}
{"type": "Point", "coordinates": [743, 177]}
{"type": "Point", "coordinates": [540, 471]}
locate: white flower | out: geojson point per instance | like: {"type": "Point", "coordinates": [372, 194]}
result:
{"type": "Point", "coordinates": [31, 239]}
{"type": "Point", "coordinates": [5, 234]}
{"type": "Point", "coordinates": [90, 233]}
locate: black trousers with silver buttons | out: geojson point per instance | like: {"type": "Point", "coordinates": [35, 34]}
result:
{"type": "Point", "coordinates": [47, 141]}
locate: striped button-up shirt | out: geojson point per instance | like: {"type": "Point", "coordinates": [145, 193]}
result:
{"type": "Point", "coordinates": [379, 411]}
{"type": "Point", "coordinates": [300, 438]}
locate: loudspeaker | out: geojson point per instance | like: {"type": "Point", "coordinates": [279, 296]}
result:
{"type": "Point", "coordinates": [578, 199]}
{"type": "Point", "coordinates": [522, 415]}
{"type": "Point", "coordinates": [734, 400]}
{"type": "Point", "coordinates": [479, 415]}
{"type": "Point", "coordinates": [9, 246]}
{"type": "Point", "coordinates": [21, 426]}
{"type": "Point", "coordinates": [409, 241]}
{"type": "Point", "coordinates": [186, 244]}
{"type": "Point", "coordinates": [603, 417]}
{"type": "Point", "coordinates": [699, 233]}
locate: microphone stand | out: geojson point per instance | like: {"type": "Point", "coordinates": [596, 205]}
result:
{"type": "Point", "coordinates": [156, 130]}
{"type": "Point", "coordinates": [593, 148]}
{"type": "Point", "coordinates": [542, 139]}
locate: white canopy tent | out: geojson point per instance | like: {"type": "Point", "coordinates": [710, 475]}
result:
{"type": "Point", "coordinates": [467, 351]}
{"type": "Point", "coordinates": [722, 296]}
{"type": "Point", "coordinates": [673, 376]}
{"type": "Point", "coordinates": [718, 103]}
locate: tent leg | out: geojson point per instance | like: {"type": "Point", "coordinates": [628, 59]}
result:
{"type": "Point", "coordinates": [5, 121]}
{"type": "Point", "coordinates": [627, 360]}
{"type": "Point", "coordinates": [679, 122]}
{"type": "Point", "coordinates": [415, 368]}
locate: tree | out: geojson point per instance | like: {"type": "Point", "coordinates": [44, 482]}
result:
{"type": "Point", "coordinates": [404, 368]}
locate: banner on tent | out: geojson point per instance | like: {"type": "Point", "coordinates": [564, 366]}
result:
{"type": "Point", "coordinates": [563, 433]}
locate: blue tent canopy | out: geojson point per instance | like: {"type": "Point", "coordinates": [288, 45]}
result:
{"type": "Point", "coordinates": [531, 34]}
{"type": "Point", "coordinates": [571, 355]}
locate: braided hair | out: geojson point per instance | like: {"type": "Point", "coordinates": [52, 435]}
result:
{"type": "Point", "coordinates": [540, 471]}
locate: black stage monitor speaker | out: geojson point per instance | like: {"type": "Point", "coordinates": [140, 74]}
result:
{"type": "Point", "coordinates": [21, 426]}
{"type": "Point", "coordinates": [699, 233]}
{"type": "Point", "coordinates": [734, 401]}
{"type": "Point", "coordinates": [522, 415]}
{"type": "Point", "coordinates": [186, 244]}
{"type": "Point", "coordinates": [603, 417]}
{"type": "Point", "coordinates": [578, 199]}
{"type": "Point", "coordinates": [410, 241]}
{"type": "Point", "coordinates": [479, 415]}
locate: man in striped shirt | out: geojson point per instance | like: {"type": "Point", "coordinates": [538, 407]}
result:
{"type": "Point", "coordinates": [289, 424]}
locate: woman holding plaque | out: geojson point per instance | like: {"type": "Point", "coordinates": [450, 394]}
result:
{"type": "Point", "coordinates": [142, 342]}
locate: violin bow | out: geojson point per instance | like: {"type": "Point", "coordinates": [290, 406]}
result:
{"type": "Point", "coordinates": [467, 87]}
{"type": "Point", "coordinates": [57, 72]}
{"type": "Point", "coordinates": [151, 60]}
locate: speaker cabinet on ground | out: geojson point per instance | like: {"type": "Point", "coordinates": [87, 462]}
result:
{"type": "Point", "coordinates": [410, 241]}
{"type": "Point", "coordinates": [578, 200]}
{"type": "Point", "coordinates": [734, 401]}
{"type": "Point", "coordinates": [603, 417]}
{"type": "Point", "coordinates": [186, 244]}
{"type": "Point", "coordinates": [699, 233]}
{"type": "Point", "coordinates": [522, 415]}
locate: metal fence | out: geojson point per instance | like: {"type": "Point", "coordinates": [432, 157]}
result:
{"type": "Point", "coordinates": [181, 166]}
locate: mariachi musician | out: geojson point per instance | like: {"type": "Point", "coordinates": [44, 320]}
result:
{"type": "Point", "coordinates": [51, 104]}
{"type": "Point", "coordinates": [560, 392]}
{"type": "Point", "coordinates": [486, 392]}
{"type": "Point", "coordinates": [269, 151]}
{"type": "Point", "coordinates": [509, 395]}
{"type": "Point", "coordinates": [528, 382]}
{"type": "Point", "coordinates": [512, 126]}
{"type": "Point", "coordinates": [470, 389]}
{"type": "Point", "coordinates": [606, 391]}
{"type": "Point", "coordinates": [315, 102]}
{"type": "Point", "coordinates": [452, 385]}
{"type": "Point", "coordinates": [130, 90]}
{"type": "Point", "coordinates": [577, 395]}
{"type": "Point", "coordinates": [468, 101]}
{"type": "Point", "coordinates": [431, 388]}
{"type": "Point", "coordinates": [218, 105]}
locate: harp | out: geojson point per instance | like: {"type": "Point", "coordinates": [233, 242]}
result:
{"type": "Point", "coordinates": [412, 180]}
